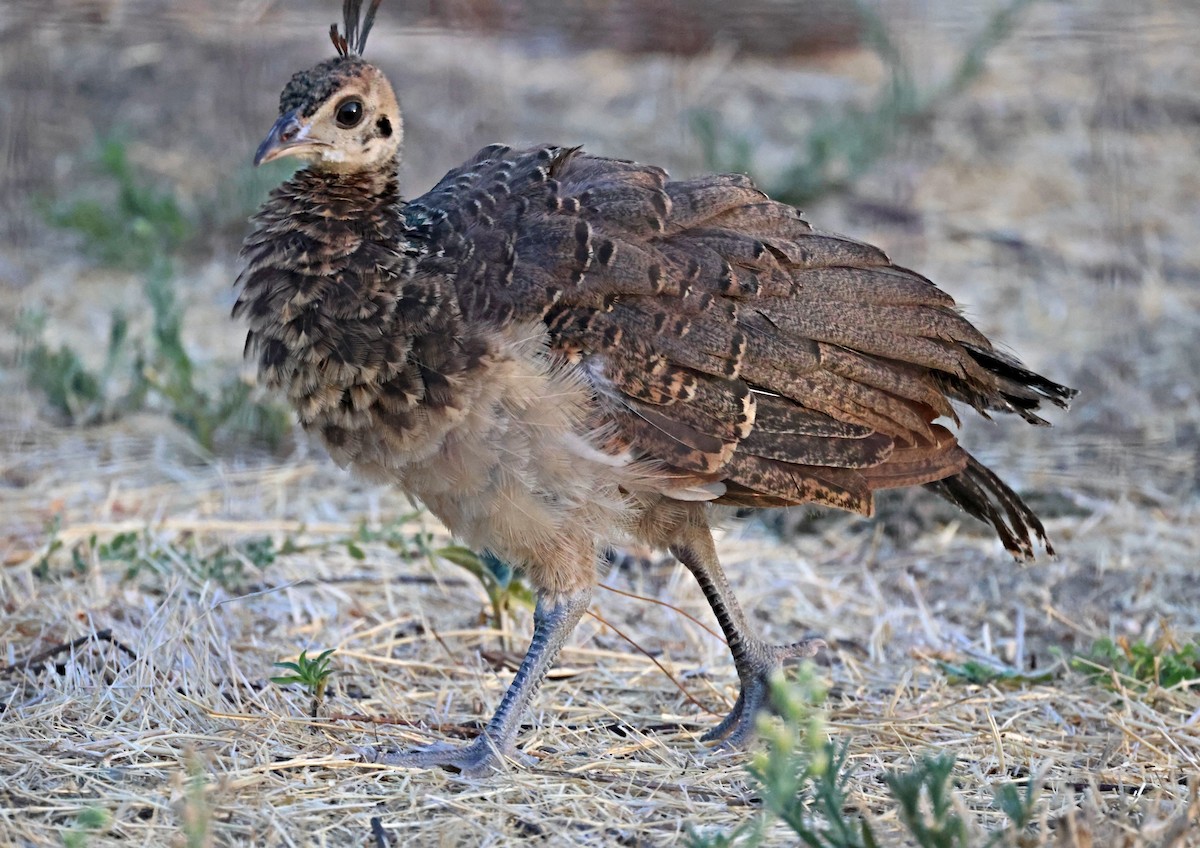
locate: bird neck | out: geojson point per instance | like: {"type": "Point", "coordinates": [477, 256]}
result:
{"type": "Point", "coordinates": [361, 189]}
{"type": "Point", "coordinates": [321, 272]}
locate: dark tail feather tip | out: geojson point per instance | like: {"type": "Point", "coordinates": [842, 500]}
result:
{"type": "Point", "coordinates": [980, 493]}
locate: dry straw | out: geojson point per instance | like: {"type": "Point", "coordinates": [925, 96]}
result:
{"type": "Point", "coordinates": [1057, 199]}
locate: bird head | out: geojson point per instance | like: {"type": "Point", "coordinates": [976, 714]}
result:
{"type": "Point", "coordinates": [342, 114]}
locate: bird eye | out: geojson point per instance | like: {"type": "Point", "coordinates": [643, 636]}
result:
{"type": "Point", "coordinates": [349, 114]}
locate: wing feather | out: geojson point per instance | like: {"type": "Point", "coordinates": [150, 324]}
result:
{"type": "Point", "coordinates": [744, 352]}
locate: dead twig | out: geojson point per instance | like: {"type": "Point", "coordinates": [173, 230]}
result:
{"type": "Point", "coordinates": [37, 661]}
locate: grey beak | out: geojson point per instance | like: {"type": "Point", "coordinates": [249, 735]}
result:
{"type": "Point", "coordinates": [282, 136]}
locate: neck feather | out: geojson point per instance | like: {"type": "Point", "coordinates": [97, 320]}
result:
{"type": "Point", "coordinates": [322, 267]}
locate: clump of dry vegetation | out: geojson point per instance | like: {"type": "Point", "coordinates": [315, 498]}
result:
{"type": "Point", "coordinates": [157, 563]}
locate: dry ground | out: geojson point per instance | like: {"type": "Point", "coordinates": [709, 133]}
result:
{"type": "Point", "coordinates": [1058, 199]}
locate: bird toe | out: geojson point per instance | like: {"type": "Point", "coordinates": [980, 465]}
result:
{"type": "Point", "coordinates": [480, 758]}
{"type": "Point", "coordinates": [803, 649]}
{"type": "Point", "coordinates": [762, 661]}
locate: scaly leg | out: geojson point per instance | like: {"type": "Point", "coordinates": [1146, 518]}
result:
{"type": "Point", "coordinates": [753, 658]}
{"type": "Point", "coordinates": [553, 620]}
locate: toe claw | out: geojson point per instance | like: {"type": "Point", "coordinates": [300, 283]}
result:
{"type": "Point", "coordinates": [738, 728]}
{"type": "Point", "coordinates": [726, 724]}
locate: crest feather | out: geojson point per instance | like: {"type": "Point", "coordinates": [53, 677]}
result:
{"type": "Point", "coordinates": [353, 39]}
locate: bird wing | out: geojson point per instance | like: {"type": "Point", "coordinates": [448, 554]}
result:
{"type": "Point", "coordinates": [724, 337]}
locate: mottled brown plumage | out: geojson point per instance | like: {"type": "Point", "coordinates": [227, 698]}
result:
{"type": "Point", "coordinates": [557, 352]}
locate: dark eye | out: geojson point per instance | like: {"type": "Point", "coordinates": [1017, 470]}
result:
{"type": "Point", "coordinates": [349, 114]}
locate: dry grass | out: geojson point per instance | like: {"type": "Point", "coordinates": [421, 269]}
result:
{"type": "Point", "coordinates": [1057, 200]}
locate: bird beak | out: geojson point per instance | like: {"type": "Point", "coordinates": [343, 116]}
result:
{"type": "Point", "coordinates": [288, 137]}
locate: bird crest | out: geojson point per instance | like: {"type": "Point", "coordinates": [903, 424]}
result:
{"type": "Point", "coordinates": [356, 28]}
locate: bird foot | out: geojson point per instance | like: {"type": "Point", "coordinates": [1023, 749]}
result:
{"type": "Point", "coordinates": [480, 758]}
{"type": "Point", "coordinates": [759, 662]}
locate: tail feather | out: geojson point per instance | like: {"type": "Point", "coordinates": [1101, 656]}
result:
{"type": "Point", "coordinates": [1020, 390]}
{"type": "Point", "coordinates": [979, 492]}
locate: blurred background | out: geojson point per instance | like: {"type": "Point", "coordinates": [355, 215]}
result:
{"type": "Point", "coordinates": [1038, 159]}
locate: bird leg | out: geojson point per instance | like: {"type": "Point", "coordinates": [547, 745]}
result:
{"type": "Point", "coordinates": [553, 620]}
{"type": "Point", "coordinates": [753, 658]}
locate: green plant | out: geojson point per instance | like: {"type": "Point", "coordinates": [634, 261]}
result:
{"type": "Point", "coordinates": [259, 552]}
{"type": "Point", "coordinates": [141, 227]}
{"type": "Point", "coordinates": [90, 821]}
{"type": "Point", "coordinates": [1017, 805]}
{"type": "Point", "coordinates": [499, 579]}
{"type": "Point", "coordinates": [54, 544]}
{"type": "Point", "coordinates": [932, 815]}
{"type": "Point", "coordinates": [801, 775]}
{"type": "Point", "coordinates": [396, 535]}
{"type": "Point", "coordinates": [125, 548]}
{"type": "Point", "coordinates": [79, 394]}
{"type": "Point", "coordinates": [197, 814]}
{"type": "Point", "coordinates": [803, 780]}
{"type": "Point", "coordinates": [134, 224]}
{"type": "Point", "coordinates": [224, 565]}
{"type": "Point", "coordinates": [927, 806]}
{"type": "Point", "coordinates": [1163, 662]}
{"type": "Point", "coordinates": [167, 370]}
{"type": "Point", "coordinates": [158, 372]}
{"type": "Point", "coordinates": [312, 674]}
{"type": "Point", "coordinates": [978, 673]}
{"type": "Point", "coordinates": [143, 553]}
{"type": "Point", "coordinates": [840, 147]}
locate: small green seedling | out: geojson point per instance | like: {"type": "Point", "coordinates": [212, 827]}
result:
{"type": "Point", "coordinates": [1163, 662]}
{"type": "Point", "coordinates": [91, 821]}
{"type": "Point", "coordinates": [974, 672]}
{"type": "Point", "coordinates": [312, 674]}
{"type": "Point", "coordinates": [501, 582]}
{"type": "Point", "coordinates": [804, 781]}
{"type": "Point", "coordinates": [926, 803]}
